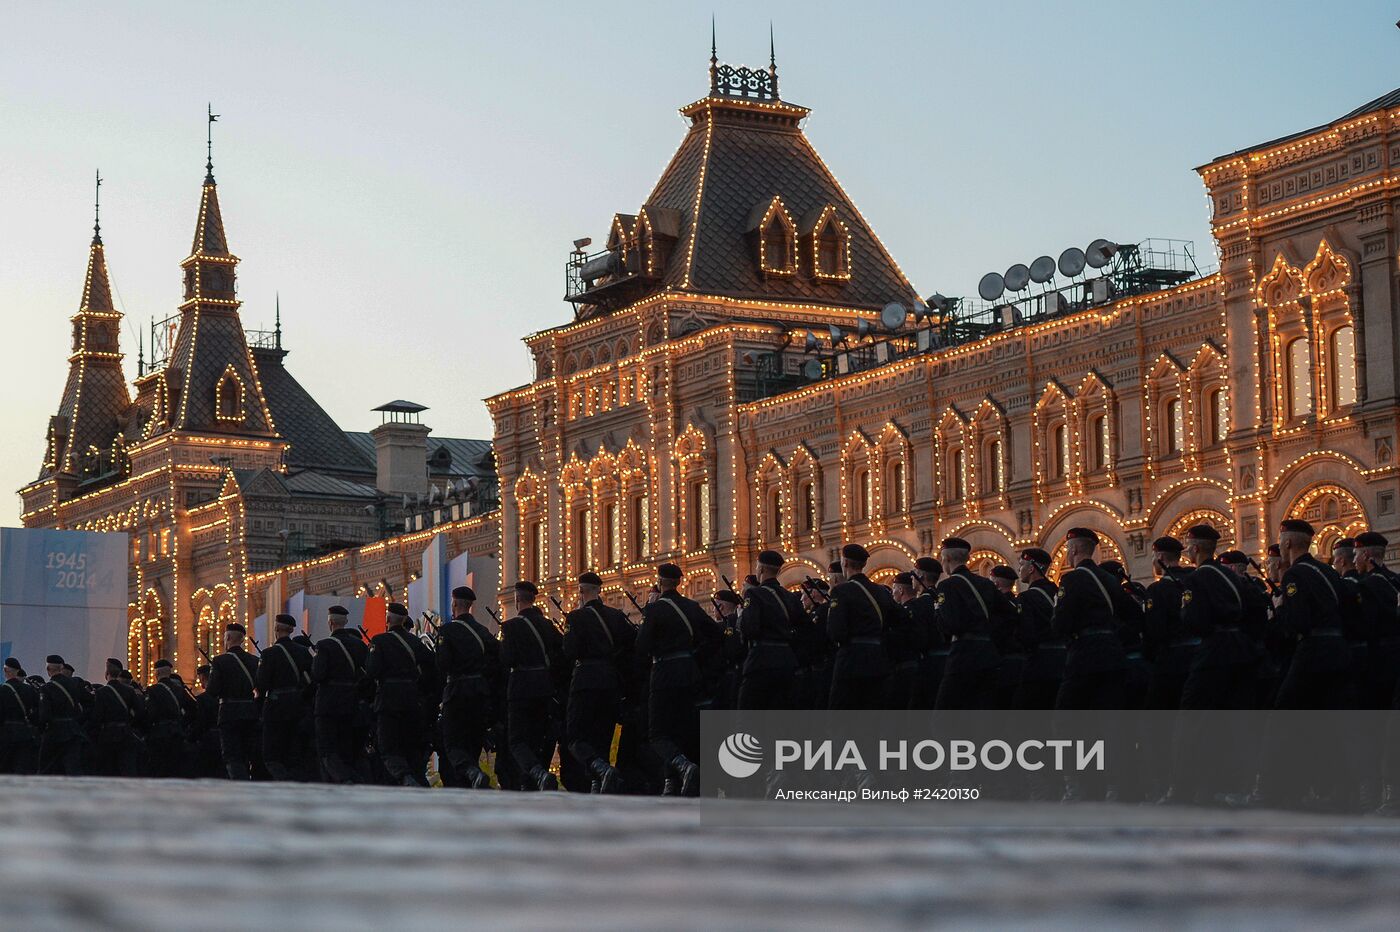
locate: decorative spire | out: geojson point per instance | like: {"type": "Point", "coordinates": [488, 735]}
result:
{"type": "Point", "coordinates": [97, 212]}
{"type": "Point", "coordinates": [772, 59]}
{"type": "Point", "coordinates": [714, 56]}
{"type": "Point", "coordinates": [209, 146]}
{"type": "Point", "coordinates": [140, 353]}
{"type": "Point", "coordinates": [277, 329]}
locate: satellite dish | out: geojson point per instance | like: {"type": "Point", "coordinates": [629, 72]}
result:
{"type": "Point", "coordinates": [810, 344]}
{"type": "Point", "coordinates": [893, 315]}
{"type": "Point", "coordinates": [812, 369]}
{"type": "Point", "coordinates": [862, 329]}
{"type": "Point", "coordinates": [836, 335]}
{"type": "Point", "coordinates": [1071, 261]}
{"type": "Point", "coordinates": [1042, 270]}
{"type": "Point", "coordinates": [1017, 277]}
{"type": "Point", "coordinates": [1099, 252]}
{"type": "Point", "coordinates": [937, 302]}
{"type": "Point", "coordinates": [991, 286]}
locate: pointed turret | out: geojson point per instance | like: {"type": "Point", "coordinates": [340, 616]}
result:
{"type": "Point", "coordinates": [95, 397]}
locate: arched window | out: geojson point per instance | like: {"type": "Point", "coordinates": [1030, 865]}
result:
{"type": "Point", "coordinates": [861, 506]}
{"type": "Point", "coordinates": [583, 540]}
{"type": "Point", "coordinates": [1099, 441]}
{"type": "Point", "coordinates": [614, 532]}
{"type": "Point", "coordinates": [957, 476]}
{"type": "Point", "coordinates": [1218, 415]}
{"type": "Point", "coordinates": [1299, 379]}
{"type": "Point", "coordinates": [894, 488]}
{"type": "Point", "coordinates": [993, 471]}
{"type": "Point", "coordinates": [1174, 423]}
{"type": "Point", "coordinates": [228, 398]}
{"type": "Point", "coordinates": [1059, 444]}
{"type": "Point", "coordinates": [807, 501]}
{"type": "Point", "coordinates": [699, 513]}
{"type": "Point", "coordinates": [1343, 367]}
{"type": "Point", "coordinates": [640, 525]}
{"type": "Point", "coordinates": [775, 515]}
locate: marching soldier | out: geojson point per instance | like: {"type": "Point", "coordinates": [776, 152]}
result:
{"type": "Point", "coordinates": [1166, 641]}
{"type": "Point", "coordinates": [855, 623]}
{"type": "Point", "coordinates": [284, 674]}
{"type": "Point", "coordinates": [905, 643]}
{"type": "Point", "coordinates": [232, 684]}
{"type": "Point", "coordinates": [673, 629]}
{"type": "Point", "coordinates": [733, 650]}
{"type": "Point", "coordinates": [530, 648]}
{"type": "Point", "coordinates": [65, 706]}
{"type": "Point", "coordinates": [398, 663]}
{"type": "Point", "coordinates": [169, 710]}
{"type": "Point", "coordinates": [1008, 640]}
{"type": "Point", "coordinates": [813, 650]}
{"type": "Point", "coordinates": [1045, 660]}
{"type": "Point", "coordinates": [598, 639]}
{"type": "Point", "coordinates": [1089, 611]}
{"type": "Point", "coordinates": [1220, 609]}
{"type": "Point", "coordinates": [19, 714]}
{"type": "Point", "coordinates": [338, 670]}
{"type": "Point", "coordinates": [1316, 608]}
{"type": "Point", "coordinates": [923, 609]}
{"type": "Point", "coordinates": [469, 661]}
{"type": "Point", "coordinates": [766, 622]}
{"type": "Point", "coordinates": [970, 611]}
{"type": "Point", "coordinates": [1344, 558]}
{"type": "Point", "coordinates": [1380, 590]}
{"type": "Point", "coordinates": [117, 708]}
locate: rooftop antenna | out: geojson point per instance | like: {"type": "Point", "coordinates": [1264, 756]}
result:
{"type": "Point", "coordinates": [97, 211]}
{"type": "Point", "coordinates": [277, 329]}
{"type": "Point", "coordinates": [209, 146]}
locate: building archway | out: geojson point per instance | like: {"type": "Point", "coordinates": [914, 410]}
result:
{"type": "Point", "coordinates": [1333, 512]}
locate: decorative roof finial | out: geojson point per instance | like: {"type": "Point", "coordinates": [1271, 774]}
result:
{"type": "Point", "coordinates": [140, 353]}
{"type": "Point", "coordinates": [278, 328]}
{"type": "Point", "coordinates": [772, 60]}
{"type": "Point", "coordinates": [97, 211]}
{"type": "Point", "coordinates": [209, 147]}
{"type": "Point", "coordinates": [714, 57]}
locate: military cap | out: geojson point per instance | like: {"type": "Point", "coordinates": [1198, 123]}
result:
{"type": "Point", "coordinates": [235, 626]}
{"type": "Point", "coordinates": [928, 565]}
{"type": "Point", "coordinates": [339, 610]}
{"type": "Point", "coordinates": [114, 662]}
{"type": "Point", "coordinates": [834, 567]}
{"type": "Point", "coordinates": [1297, 526]}
{"type": "Point", "coordinates": [669, 571]}
{"type": "Point", "coordinates": [526, 587]}
{"type": "Point", "coordinates": [1082, 533]}
{"type": "Point", "coordinates": [1167, 545]}
{"type": "Point", "coordinates": [1346, 543]}
{"type": "Point", "coordinates": [751, 580]}
{"type": "Point", "coordinates": [126, 675]}
{"type": "Point", "coordinates": [590, 579]}
{"type": "Point", "coordinates": [771, 558]}
{"type": "Point", "coordinates": [904, 579]}
{"type": "Point", "coordinates": [1037, 556]}
{"type": "Point", "coordinates": [855, 553]}
{"type": "Point", "coordinates": [1274, 551]}
{"type": "Point", "coordinates": [12, 663]}
{"type": "Point", "coordinates": [725, 595]}
{"type": "Point", "coordinates": [1233, 558]}
{"type": "Point", "coordinates": [163, 664]}
{"type": "Point", "coordinates": [397, 610]}
{"type": "Point", "coordinates": [287, 621]}
{"type": "Point", "coordinates": [54, 659]}
{"type": "Point", "coordinates": [955, 543]}
{"type": "Point", "coordinates": [1113, 566]}
{"type": "Point", "coordinates": [1202, 532]}
{"type": "Point", "coordinates": [1371, 539]}
{"type": "Point", "coordinates": [1004, 572]}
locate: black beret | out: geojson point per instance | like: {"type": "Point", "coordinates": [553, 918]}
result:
{"type": "Point", "coordinates": [114, 662]}
{"type": "Point", "coordinates": [464, 594]}
{"type": "Point", "coordinates": [1082, 533]}
{"type": "Point", "coordinates": [162, 664]}
{"type": "Point", "coordinates": [1298, 526]}
{"type": "Point", "coordinates": [339, 610]}
{"type": "Point", "coordinates": [1346, 543]}
{"type": "Point", "coordinates": [1274, 551]}
{"type": "Point", "coordinates": [590, 579]}
{"type": "Point", "coordinates": [397, 610]}
{"type": "Point", "coordinates": [13, 663]}
{"type": "Point", "coordinates": [203, 669]}
{"type": "Point", "coordinates": [904, 579]}
{"type": "Point", "coordinates": [928, 565]}
{"type": "Point", "coordinates": [126, 675]}
{"type": "Point", "coordinates": [724, 595]}
{"type": "Point", "coordinates": [1005, 572]}
{"type": "Point", "coordinates": [835, 567]}
{"type": "Point", "coordinates": [1112, 566]}
{"type": "Point", "coordinates": [771, 558]}
{"type": "Point", "coordinates": [855, 553]}
{"type": "Point", "coordinates": [288, 621]}
{"type": "Point", "coordinates": [751, 580]}
{"type": "Point", "coordinates": [1167, 545]}
{"type": "Point", "coordinates": [1233, 558]}
{"type": "Point", "coordinates": [1037, 556]}
{"type": "Point", "coordinates": [955, 543]}
{"type": "Point", "coordinates": [1202, 532]}
{"type": "Point", "coordinates": [235, 626]}
{"type": "Point", "coordinates": [54, 659]}
{"type": "Point", "coordinates": [669, 571]}
{"type": "Point", "coordinates": [1371, 539]}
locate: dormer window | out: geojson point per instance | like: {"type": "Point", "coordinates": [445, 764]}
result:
{"type": "Point", "coordinates": [777, 239]}
{"type": "Point", "coordinates": [228, 397]}
{"type": "Point", "coordinates": [831, 247]}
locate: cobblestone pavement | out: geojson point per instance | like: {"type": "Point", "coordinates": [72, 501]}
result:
{"type": "Point", "coordinates": [126, 854]}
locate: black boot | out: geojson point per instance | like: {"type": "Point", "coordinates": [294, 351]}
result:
{"type": "Point", "coordinates": [687, 775]}
{"type": "Point", "coordinates": [605, 776]}
{"type": "Point", "coordinates": [543, 779]}
{"type": "Point", "coordinates": [475, 778]}
{"type": "Point", "coordinates": [668, 788]}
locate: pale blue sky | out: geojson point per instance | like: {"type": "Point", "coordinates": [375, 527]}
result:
{"type": "Point", "coordinates": [410, 177]}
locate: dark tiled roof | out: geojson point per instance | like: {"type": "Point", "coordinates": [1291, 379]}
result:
{"type": "Point", "coordinates": [1383, 102]}
{"type": "Point", "coordinates": [468, 457]}
{"type": "Point", "coordinates": [316, 441]}
{"type": "Point", "coordinates": [209, 344]}
{"type": "Point", "coordinates": [310, 482]}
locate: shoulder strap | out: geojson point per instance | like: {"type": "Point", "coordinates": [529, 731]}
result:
{"type": "Point", "coordinates": [604, 625]}
{"type": "Point", "coordinates": [874, 603]}
{"type": "Point", "coordinates": [286, 652]}
{"type": "Point", "coordinates": [1049, 599]}
{"type": "Point", "coordinates": [472, 631]}
{"type": "Point", "coordinates": [981, 602]}
{"type": "Point", "coordinates": [538, 639]}
{"type": "Point", "coordinates": [20, 699]}
{"type": "Point", "coordinates": [1234, 590]}
{"type": "Point", "coordinates": [782, 604]}
{"type": "Point", "coordinates": [120, 698]}
{"type": "Point", "coordinates": [244, 668]}
{"type": "Point", "coordinates": [1335, 594]}
{"type": "Point", "coordinates": [406, 646]}
{"type": "Point", "coordinates": [686, 621]}
{"type": "Point", "coordinates": [354, 667]}
{"type": "Point", "coordinates": [1108, 599]}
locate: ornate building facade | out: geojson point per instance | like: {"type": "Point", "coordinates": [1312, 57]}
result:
{"type": "Point", "coordinates": [721, 389]}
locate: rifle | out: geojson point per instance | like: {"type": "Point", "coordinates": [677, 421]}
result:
{"type": "Point", "coordinates": [559, 605]}
{"type": "Point", "coordinates": [205, 654]}
{"type": "Point", "coordinates": [256, 646]}
{"type": "Point", "coordinates": [813, 590]}
{"type": "Point", "coordinates": [727, 584]}
{"type": "Point", "coordinates": [1273, 589]}
{"type": "Point", "coordinates": [494, 617]}
{"type": "Point", "coordinates": [641, 613]}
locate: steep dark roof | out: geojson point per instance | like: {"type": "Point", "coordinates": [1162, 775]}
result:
{"type": "Point", "coordinates": [317, 442]}
{"type": "Point", "coordinates": [468, 457]}
{"type": "Point", "coordinates": [306, 483]}
{"type": "Point", "coordinates": [1383, 102]}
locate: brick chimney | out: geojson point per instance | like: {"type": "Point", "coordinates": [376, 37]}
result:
{"type": "Point", "coordinates": [401, 449]}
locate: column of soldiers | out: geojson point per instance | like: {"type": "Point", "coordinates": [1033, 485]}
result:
{"type": "Point", "coordinates": [617, 700]}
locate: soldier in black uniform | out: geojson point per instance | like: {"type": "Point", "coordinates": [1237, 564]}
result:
{"type": "Point", "coordinates": [1380, 592]}
{"type": "Point", "coordinates": [1166, 641]}
{"type": "Point", "coordinates": [598, 640]}
{"type": "Point", "coordinates": [117, 711]}
{"type": "Point", "coordinates": [766, 622]}
{"type": "Point", "coordinates": [1089, 611]}
{"type": "Point", "coordinates": [283, 680]}
{"type": "Point", "coordinates": [673, 629]}
{"type": "Point", "coordinates": [1008, 640]}
{"type": "Point", "coordinates": [855, 623]}
{"type": "Point", "coordinates": [1045, 651]}
{"type": "Point", "coordinates": [65, 705]}
{"type": "Point", "coordinates": [970, 612]}
{"type": "Point", "coordinates": [732, 651]}
{"type": "Point", "coordinates": [812, 683]}
{"type": "Point", "coordinates": [170, 711]}
{"type": "Point", "coordinates": [835, 574]}
{"type": "Point", "coordinates": [1218, 607]}
{"type": "Point", "coordinates": [231, 683]}
{"type": "Point", "coordinates": [905, 644]}
{"type": "Point", "coordinates": [530, 650]}
{"type": "Point", "coordinates": [923, 609]}
{"type": "Point", "coordinates": [469, 663]}
{"type": "Point", "coordinates": [400, 665]}
{"type": "Point", "coordinates": [20, 712]}
{"type": "Point", "coordinates": [1344, 558]}
{"type": "Point", "coordinates": [338, 672]}
{"type": "Point", "coordinates": [1316, 607]}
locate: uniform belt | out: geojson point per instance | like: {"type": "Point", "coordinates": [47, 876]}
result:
{"type": "Point", "coordinates": [1094, 631]}
{"type": "Point", "coordinates": [941, 652]}
{"type": "Point", "coordinates": [1016, 656]}
{"type": "Point", "coordinates": [907, 665]}
{"type": "Point", "coordinates": [771, 644]}
{"type": "Point", "coordinates": [676, 655]}
{"type": "Point", "coordinates": [1228, 628]}
{"type": "Point", "coordinates": [1187, 642]}
{"type": "Point", "coordinates": [459, 677]}
{"type": "Point", "coordinates": [971, 637]}
{"type": "Point", "coordinates": [1053, 645]}
{"type": "Point", "coordinates": [1134, 655]}
{"type": "Point", "coordinates": [248, 700]}
{"type": "Point", "coordinates": [525, 669]}
{"type": "Point", "coordinates": [1324, 633]}
{"type": "Point", "coordinates": [875, 641]}
{"type": "Point", "coordinates": [591, 660]}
